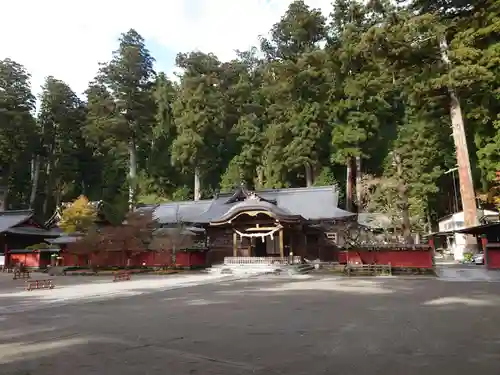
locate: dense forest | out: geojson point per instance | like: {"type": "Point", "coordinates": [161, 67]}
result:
{"type": "Point", "coordinates": [370, 81]}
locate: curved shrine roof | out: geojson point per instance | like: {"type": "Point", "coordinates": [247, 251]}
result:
{"type": "Point", "coordinates": [315, 203]}
{"type": "Point", "coordinates": [254, 203]}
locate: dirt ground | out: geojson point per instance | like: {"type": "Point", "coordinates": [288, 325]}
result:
{"type": "Point", "coordinates": [267, 325]}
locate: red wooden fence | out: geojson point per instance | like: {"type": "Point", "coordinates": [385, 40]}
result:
{"type": "Point", "coordinates": [493, 256]}
{"type": "Point", "coordinates": [396, 258]}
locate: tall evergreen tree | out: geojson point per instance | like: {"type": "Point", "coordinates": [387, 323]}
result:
{"type": "Point", "coordinates": [121, 105]}
{"type": "Point", "coordinates": [17, 132]}
{"type": "Point", "coordinates": [199, 117]}
{"type": "Point", "coordinates": [61, 120]}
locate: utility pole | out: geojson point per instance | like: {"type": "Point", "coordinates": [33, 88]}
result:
{"type": "Point", "coordinates": [464, 169]}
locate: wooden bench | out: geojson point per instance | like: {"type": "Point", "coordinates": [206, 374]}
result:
{"type": "Point", "coordinates": [39, 284]}
{"type": "Point", "coordinates": [368, 269]}
{"type": "Point", "coordinates": [21, 275]}
{"type": "Point", "coordinates": [121, 276]}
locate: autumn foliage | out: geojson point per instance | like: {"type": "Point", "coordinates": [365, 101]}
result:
{"type": "Point", "coordinates": [138, 233]}
{"type": "Point", "coordinates": [80, 216]}
{"type": "Point", "coordinates": [133, 236]}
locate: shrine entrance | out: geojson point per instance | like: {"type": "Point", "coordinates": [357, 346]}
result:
{"type": "Point", "coordinates": [259, 229]}
{"type": "Point", "coordinates": [260, 248]}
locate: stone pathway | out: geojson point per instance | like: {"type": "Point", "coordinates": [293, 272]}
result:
{"type": "Point", "coordinates": [467, 273]}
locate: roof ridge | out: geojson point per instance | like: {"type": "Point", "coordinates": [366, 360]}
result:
{"type": "Point", "coordinates": [17, 212]}
{"type": "Point", "coordinates": [296, 189]}
{"type": "Point", "coordinates": [177, 203]}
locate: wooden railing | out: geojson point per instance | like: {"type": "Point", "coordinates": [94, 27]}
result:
{"type": "Point", "coordinates": [121, 276]}
{"type": "Point", "coordinates": [260, 260]}
{"type": "Point", "coordinates": [368, 269]}
{"type": "Point", "coordinates": [39, 284]}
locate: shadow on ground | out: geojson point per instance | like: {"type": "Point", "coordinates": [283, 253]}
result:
{"type": "Point", "coordinates": [266, 326]}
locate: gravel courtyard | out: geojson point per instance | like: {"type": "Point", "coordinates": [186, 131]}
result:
{"type": "Point", "coordinates": [268, 325]}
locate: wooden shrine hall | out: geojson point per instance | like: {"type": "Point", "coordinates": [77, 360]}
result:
{"type": "Point", "coordinates": [305, 222]}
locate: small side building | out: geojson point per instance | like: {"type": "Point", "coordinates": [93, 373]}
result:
{"type": "Point", "coordinates": [451, 230]}
{"type": "Point", "coordinates": [488, 236]}
{"type": "Point", "coordinates": [18, 230]}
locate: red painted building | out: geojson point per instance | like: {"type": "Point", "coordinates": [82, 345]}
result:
{"type": "Point", "coordinates": [191, 257]}
{"type": "Point", "coordinates": [488, 236]}
{"type": "Point", "coordinates": [19, 229]}
{"type": "Point", "coordinates": [418, 256]}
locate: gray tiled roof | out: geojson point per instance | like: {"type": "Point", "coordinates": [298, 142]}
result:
{"type": "Point", "coordinates": [63, 240]}
{"type": "Point", "coordinates": [187, 212]}
{"type": "Point", "coordinates": [314, 203]}
{"type": "Point", "coordinates": [216, 210]}
{"type": "Point", "coordinates": [9, 219]}
{"type": "Point", "coordinates": [33, 231]}
{"type": "Point", "coordinates": [27, 251]}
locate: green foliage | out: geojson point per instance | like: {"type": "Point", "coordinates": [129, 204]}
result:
{"type": "Point", "coordinates": [18, 133]}
{"type": "Point", "coordinates": [468, 257]}
{"type": "Point", "coordinates": [367, 82]}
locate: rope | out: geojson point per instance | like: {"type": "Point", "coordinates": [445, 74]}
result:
{"type": "Point", "coordinates": [261, 235]}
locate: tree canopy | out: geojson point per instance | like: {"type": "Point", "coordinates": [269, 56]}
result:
{"type": "Point", "coordinates": [368, 82]}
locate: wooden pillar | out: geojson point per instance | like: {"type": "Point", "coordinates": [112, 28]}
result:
{"type": "Point", "coordinates": [304, 243]}
{"type": "Point", "coordinates": [484, 245]}
{"type": "Point", "coordinates": [235, 244]}
{"type": "Point", "coordinates": [282, 254]}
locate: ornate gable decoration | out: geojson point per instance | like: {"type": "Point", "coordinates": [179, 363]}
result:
{"type": "Point", "coordinates": [253, 197]}
{"type": "Point", "coordinates": [243, 194]}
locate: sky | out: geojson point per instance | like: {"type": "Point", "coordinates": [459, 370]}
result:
{"type": "Point", "coordinates": [68, 39]}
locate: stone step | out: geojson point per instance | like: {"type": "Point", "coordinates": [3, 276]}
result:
{"type": "Point", "coordinates": [301, 269]}
{"type": "Point", "coordinates": [256, 269]}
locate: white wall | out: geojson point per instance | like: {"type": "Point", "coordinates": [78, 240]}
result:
{"type": "Point", "coordinates": [456, 222]}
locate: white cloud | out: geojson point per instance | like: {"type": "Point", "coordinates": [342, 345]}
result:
{"type": "Point", "coordinates": [68, 40]}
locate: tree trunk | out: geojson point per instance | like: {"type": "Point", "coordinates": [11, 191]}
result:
{"type": "Point", "coordinates": [58, 192]}
{"type": "Point", "coordinates": [5, 198]}
{"type": "Point", "coordinates": [197, 184]}
{"type": "Point", "coordinates": [403, 196]}
{"type": "Point", "coordinates": [349, 197]}
{"type": "Point", "coordinates": [48, 185]}
{"type": "Point", "coordinates": [309, 175]}
{"type": "Point", "coordinates": [464, 169]}
{"type": "Point", "coordinates": [358, 184]}
{"type": "Point", "coordinates": [260, 177]}
{"type": "Point", "coordinates": [429, 222]}
{"type": "Point", "coordinates": [132, 152]}
{"type": "Point", "coordinates": [35, 175]}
